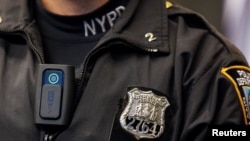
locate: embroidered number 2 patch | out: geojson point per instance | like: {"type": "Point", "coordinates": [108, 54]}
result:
{"type": "Point", "coordinates": [240, 77]}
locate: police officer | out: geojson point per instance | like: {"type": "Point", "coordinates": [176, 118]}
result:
{"type": "Point", "coordinates": [142, 69]}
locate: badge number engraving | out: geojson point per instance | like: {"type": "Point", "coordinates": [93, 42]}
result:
{"type": "Point", "coordinates": [143, 126]}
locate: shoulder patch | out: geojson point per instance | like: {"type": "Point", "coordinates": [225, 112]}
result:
{"type": "Point", "coordinates": [240, 77]}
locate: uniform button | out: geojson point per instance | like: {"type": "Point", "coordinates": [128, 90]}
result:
{"type": "Point", "coordinates": [168, 4]}
{"type": "Point", "coordinates": [1, 19]}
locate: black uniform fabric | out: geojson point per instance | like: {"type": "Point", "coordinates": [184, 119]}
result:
{"type": "Point", "coordinates": [167, 58]}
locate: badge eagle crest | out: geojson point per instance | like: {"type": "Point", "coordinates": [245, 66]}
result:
{"type": "Point", "coordinates": [144, 114]}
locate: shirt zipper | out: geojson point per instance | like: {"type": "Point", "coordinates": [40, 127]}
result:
{"type": "Point", "coordinates": [38, 53]}
{"type": "Point", "coordinates": [80, 85]}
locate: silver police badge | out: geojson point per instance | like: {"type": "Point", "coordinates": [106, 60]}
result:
{"type": "Point", "coordinates": [144, 114]}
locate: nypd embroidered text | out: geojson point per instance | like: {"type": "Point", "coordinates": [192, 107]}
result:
{"type": "Point", "coordinates": [103, 23]}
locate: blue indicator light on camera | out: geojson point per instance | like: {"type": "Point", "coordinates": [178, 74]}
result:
{"type": "Point", "coordinates": [53, 77]}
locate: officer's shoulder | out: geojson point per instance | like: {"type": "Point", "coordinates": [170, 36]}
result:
{"type": "Point", "coordinates": [190, 18]}
{"type": "Point", "coordinates": [187, 18]}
